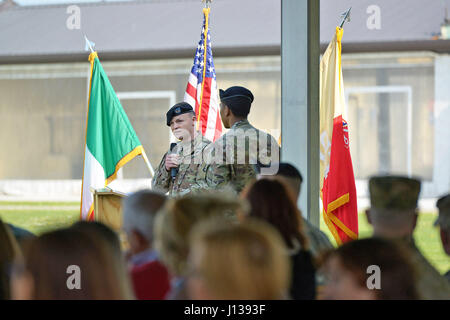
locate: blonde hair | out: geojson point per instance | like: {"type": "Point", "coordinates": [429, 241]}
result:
{"type": "Point", "coordinates": [245, 261]}
{"type": "Point", "coordinates": [177, 218]}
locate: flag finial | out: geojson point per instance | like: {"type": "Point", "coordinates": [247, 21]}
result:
{"type": "Point", "coordinates": [88, 44]}
{"type": "Point", "coordinates": [207, 3]}
{"type": "Point", "coordinates": [345, 17]}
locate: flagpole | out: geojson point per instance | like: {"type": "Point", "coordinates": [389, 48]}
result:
{"type": "Point", "coordinates": [149, 165]}
{"type": "Point", "coordinates": [87, 43]}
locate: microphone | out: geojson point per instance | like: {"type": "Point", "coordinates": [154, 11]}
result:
{"type": "Point", "coordinates": [173, 171]}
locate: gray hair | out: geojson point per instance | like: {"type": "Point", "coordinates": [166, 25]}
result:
{"type": "Point", "coordinates": [139, 212]}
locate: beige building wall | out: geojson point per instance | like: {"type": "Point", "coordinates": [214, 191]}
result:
{"type": "Point", "coordinates": [43, 110]}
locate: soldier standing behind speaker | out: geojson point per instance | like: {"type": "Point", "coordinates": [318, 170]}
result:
{"type": "Point", "coordinates": [178, 173]}
{"type": "Point", "coordinates": [235, 158]}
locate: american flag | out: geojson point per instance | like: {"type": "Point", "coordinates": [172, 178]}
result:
{"type": "Point", "coordinates": [201, 90]}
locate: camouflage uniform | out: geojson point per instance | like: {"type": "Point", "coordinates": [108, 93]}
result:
{"type": "Point", "coordinates": [232, 160]}
{"type": "Point", "coordinates": [390, 196]}
{"type": "Point", "coordinates": [189, 178]}
{"type": "Point", "coordinates": [318, 241]}
{"type": "Point", "coordinates": [430, 284]}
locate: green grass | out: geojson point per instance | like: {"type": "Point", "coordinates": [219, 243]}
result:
{"type": "Point", "coordinates": [426, 236]}
{"type": "Point", "coordinates": [38, 221]}
{"type": "Point", "coordinates": [38, 203]}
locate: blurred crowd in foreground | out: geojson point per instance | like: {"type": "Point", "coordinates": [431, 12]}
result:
{"type": "Point", "coordinates": [216, 245]}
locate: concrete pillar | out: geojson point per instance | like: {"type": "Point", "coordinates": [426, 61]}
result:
{"type": "Point", "coordinates": [300, 53]}
{"type": "Point", "coordinates": [441, 168]}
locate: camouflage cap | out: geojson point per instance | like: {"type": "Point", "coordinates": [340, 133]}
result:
{"type": "Point", "coordinates": [394, 192]}
{"type": "Point", "coordinates": [443, 205]}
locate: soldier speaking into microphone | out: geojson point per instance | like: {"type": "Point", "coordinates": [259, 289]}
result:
{"type": "Point", "coordinates": [178, 171]}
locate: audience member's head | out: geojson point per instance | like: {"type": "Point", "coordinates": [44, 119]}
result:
{"type": "Point", "coordinates": [139, 212]}
{"type": "Point", "coordinates": [393, 206]}
{"type": "Point", "coordinates": [9, 252]}
{"type": "Point", "coordinates": [98, 230]}
{"type": "Point", "coordinates": [288, 174]}
{"type": "Point", "coordinates": [175, 221]}
{"type": "Point", "coordinates": [369, 269]}
{"type": "Point", "coordinates": [58, 262]}
{"type": "Point", "coordinates": [443, 221]}
{"type": "Point", "coordinates": [237, 261]}
{"type": "Point", "coordinates": [19, 233]}
{"type": "Point", "coordinates": [271, 201]}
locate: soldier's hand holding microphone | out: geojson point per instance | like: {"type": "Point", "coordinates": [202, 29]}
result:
{"type": "Point", "coordinates": [172, 162]}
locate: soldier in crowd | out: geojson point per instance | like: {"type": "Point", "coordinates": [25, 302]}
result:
{"type": "Point", "coordinates": [178, 173]}
{"type": "Point", "coordinates": [393, 215]}
{"type": "Point", "coordinates": [443, 222]}
{"type": "Point", "coordinates": [233, 157]}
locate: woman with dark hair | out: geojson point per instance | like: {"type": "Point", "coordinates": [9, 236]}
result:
{"type": "Point", "coordinates": [271, 201]}
{"type": "Point", "coordinates": [52, 260]}
{"type": "Point", "coordinates": [9, 251]}
{"type": "Point", "coordinates": [348, 268]}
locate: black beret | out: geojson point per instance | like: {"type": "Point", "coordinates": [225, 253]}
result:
{"type": "Point", "coordinates": [235, 92]}
{"type": "Point", "coordinates": [176, 110]}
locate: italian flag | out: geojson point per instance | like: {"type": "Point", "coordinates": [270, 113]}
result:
{"type": "Point", "coordinates": [110, 139]}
